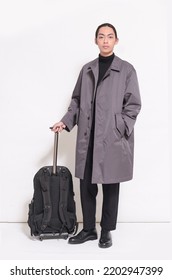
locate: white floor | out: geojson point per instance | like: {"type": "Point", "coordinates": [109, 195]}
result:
{"type": "Point", "coordinates": [131, 241]}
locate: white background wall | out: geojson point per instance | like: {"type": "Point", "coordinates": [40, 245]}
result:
{"type": "Point", "coordinates": [43, 45]}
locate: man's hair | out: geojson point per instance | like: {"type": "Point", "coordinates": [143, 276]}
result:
{"type": "Point", "coordinates": [103, 25]}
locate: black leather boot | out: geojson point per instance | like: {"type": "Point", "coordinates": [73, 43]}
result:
{"type": "Point", "coordinates": [83, 236]}
{"type": "Point", "coordinates": [105, 240]}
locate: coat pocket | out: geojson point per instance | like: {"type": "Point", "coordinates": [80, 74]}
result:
{"type": "Point", "coordinates": [120, 125]}
{"type": "Point", "coordinates": [77, 117]}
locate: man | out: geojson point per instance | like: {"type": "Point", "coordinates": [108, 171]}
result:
{"type": "Point", "coordinates": [105, 104]}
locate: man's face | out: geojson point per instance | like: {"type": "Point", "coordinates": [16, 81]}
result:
{"type": "Point", "coordinates": [106, 40]}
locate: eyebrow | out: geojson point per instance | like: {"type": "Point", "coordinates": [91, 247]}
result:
{"type": "Point", "coordinates": [107, 34]}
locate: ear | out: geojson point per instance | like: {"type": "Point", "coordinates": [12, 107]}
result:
{"type": "Point", "coordinates": [116, 41]}
{"type": "Point", "coordinates": [95, 41]}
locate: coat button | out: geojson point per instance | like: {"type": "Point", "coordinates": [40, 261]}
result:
{"type": "Point", "coordinates": [88, 118]}
{"type": "Point", "coordinates": [85, 133]}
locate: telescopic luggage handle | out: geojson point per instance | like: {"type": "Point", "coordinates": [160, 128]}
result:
{"type": "Point", "coordinates": [56, 137]}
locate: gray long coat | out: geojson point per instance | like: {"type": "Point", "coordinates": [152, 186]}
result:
{"type": "Point", "coordinates": [117, 106]}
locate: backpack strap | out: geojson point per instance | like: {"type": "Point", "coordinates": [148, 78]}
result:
{"type": "Point", "coordinates": [45, 185]}
{"type": "Point", "coordinates": [63, 200]}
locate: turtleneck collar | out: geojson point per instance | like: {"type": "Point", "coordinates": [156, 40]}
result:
{"type": "Point", "coordinates": [106, 58]}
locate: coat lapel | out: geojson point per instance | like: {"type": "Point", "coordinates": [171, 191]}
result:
{"type": "Point", "coordinates": [94, 68]}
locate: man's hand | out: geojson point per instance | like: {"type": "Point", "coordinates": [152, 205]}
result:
{"type": "Point", "coordinates": [58, 127]}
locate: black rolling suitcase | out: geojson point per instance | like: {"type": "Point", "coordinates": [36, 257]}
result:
{"type": "Point", "coordinates": [52, 212]}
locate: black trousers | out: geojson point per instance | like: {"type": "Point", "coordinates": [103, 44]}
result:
{"type": "Point", "coordinates": [88, 192]}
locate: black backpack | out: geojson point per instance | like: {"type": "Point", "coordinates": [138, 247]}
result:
{"type": "Point", "coordinates": [52, 211]}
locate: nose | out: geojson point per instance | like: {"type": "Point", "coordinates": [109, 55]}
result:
{"type": "Point", "coordinates": [105, 39]}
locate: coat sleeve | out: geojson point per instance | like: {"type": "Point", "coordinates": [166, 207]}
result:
{"type": "Point", "coordinates": [71, 117]}
{"type": "Point", "coordinates": [132, 101]}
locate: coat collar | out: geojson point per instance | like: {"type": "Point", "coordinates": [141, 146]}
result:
{"type": "Point", "coordinates": [115, 65]}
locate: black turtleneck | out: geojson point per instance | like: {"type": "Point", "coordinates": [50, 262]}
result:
{"type": "Point", "coordinates": [104, 64]}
